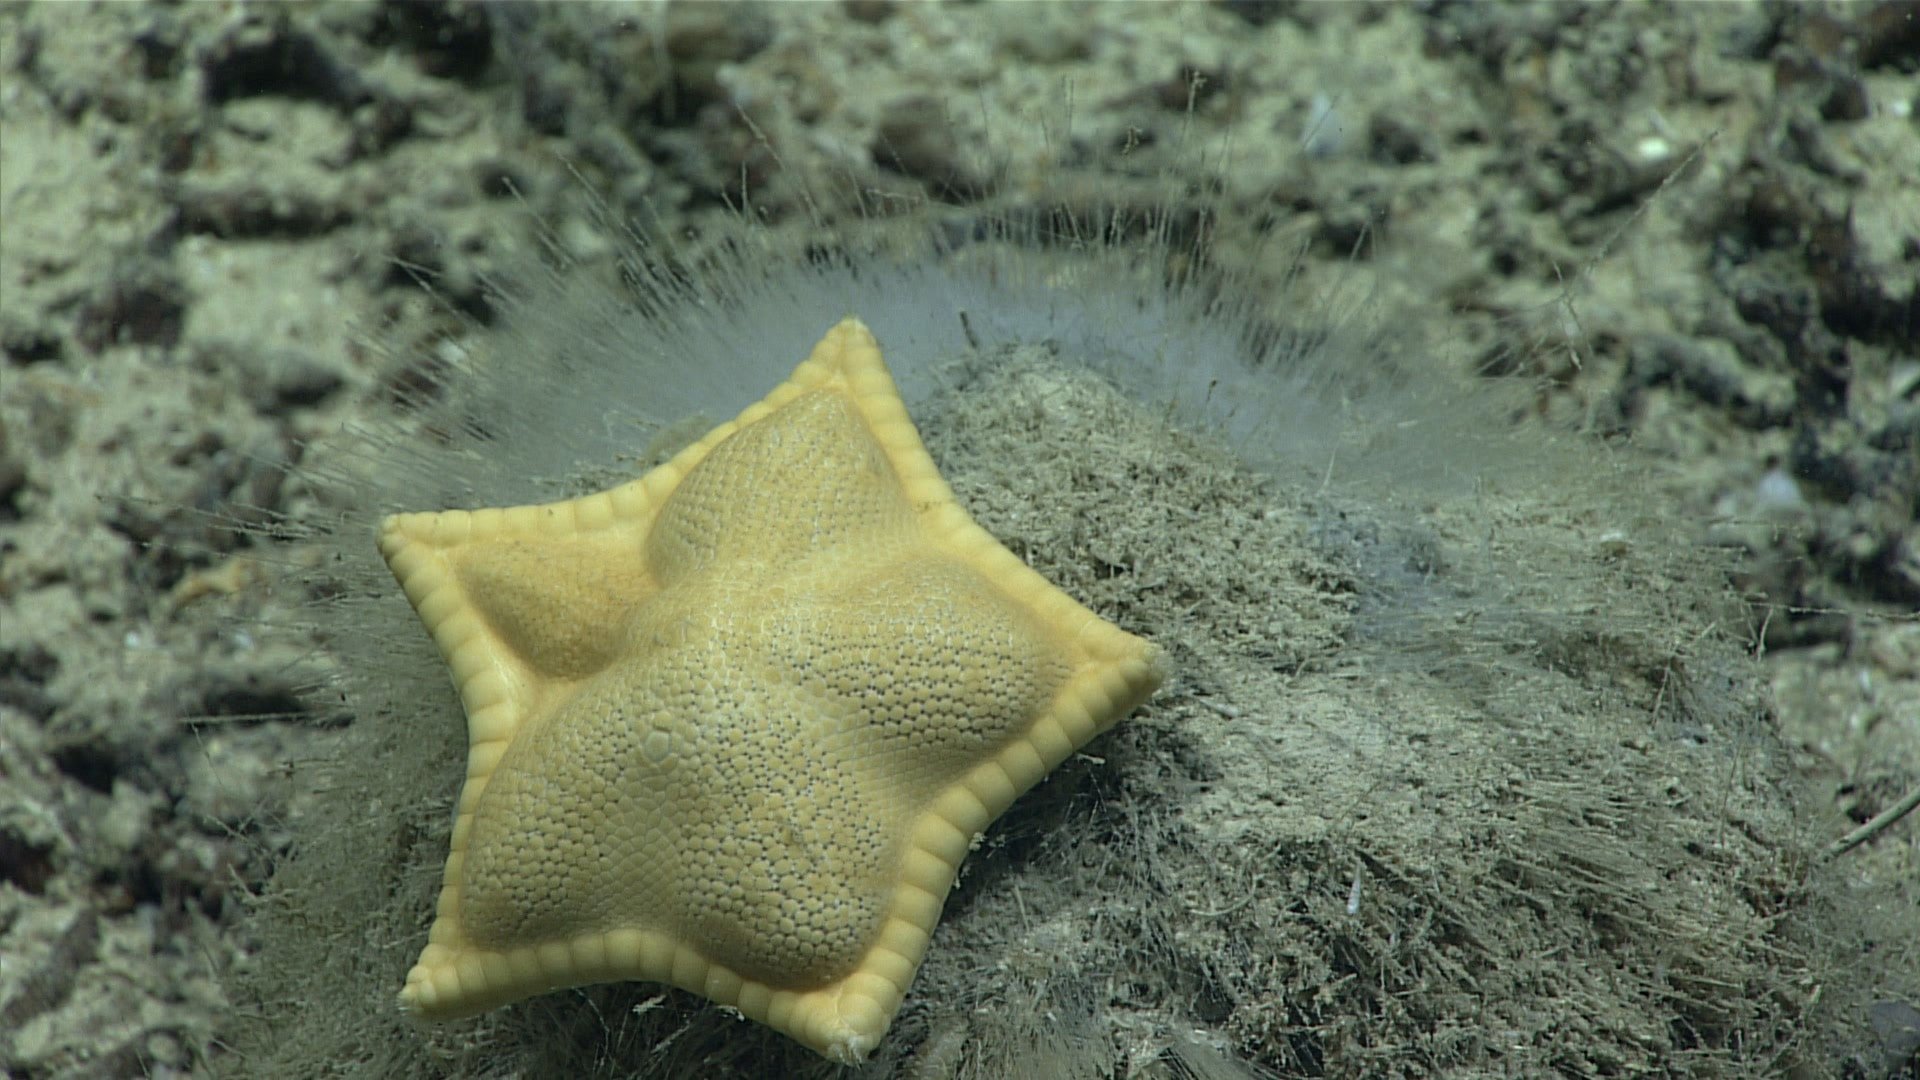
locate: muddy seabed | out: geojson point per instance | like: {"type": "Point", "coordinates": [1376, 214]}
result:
{"type": "Point", "coordinates": [1511, 778]}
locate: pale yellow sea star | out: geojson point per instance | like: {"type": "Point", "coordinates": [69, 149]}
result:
{"type": "Point", "coordinates": [733, 725]}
